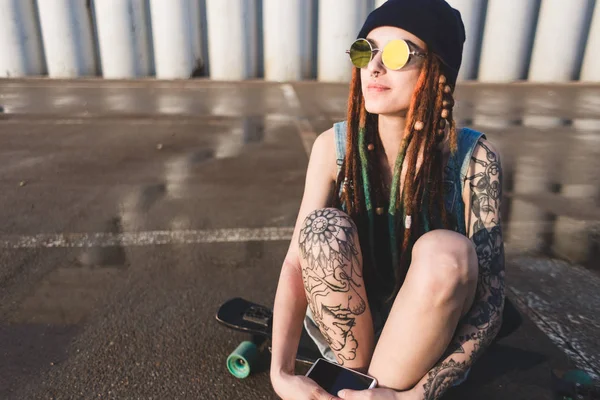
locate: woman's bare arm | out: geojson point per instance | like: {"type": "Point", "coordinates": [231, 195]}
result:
{"type": "Point", "coordinates": [290, 299]}
{"type": "Point", "coordinates": [482, 196]}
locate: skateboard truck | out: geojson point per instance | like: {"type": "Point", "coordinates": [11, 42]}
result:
{"type": "Point", "coordinates": [258, 315]}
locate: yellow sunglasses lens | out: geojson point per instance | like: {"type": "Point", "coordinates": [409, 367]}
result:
{"type": "Point", "coordinates": [360, 53]}
{"type": "Point", "coordinates": [395, 54]}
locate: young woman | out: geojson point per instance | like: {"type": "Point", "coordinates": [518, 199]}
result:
{"type": "Point", "coordinates": [396, 265]}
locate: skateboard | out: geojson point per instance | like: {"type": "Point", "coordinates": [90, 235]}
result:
{"type": "Point", "coordinates": [257, 321]}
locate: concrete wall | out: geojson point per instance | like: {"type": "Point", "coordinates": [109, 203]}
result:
{"type": "Point", "coordinates": [507, 40]}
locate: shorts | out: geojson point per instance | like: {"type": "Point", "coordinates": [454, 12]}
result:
{"type": "Point", "coordinates": [313, 331]}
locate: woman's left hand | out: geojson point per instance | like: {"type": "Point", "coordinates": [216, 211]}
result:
{"type": "Point", "coordinates": [377, 394]}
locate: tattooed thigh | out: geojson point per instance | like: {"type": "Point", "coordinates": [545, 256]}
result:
{"type": "Point", "coordinates": [332, 274]}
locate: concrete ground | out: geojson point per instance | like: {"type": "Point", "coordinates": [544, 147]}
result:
{"type": "Point", "coordinates": [130, 210]}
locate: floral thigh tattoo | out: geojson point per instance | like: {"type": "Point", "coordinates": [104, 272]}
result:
{"type": "Point", "coordinates": [332, 274]}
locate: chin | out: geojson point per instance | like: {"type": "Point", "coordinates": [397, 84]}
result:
{"type": "Point", "coordinates": [384, 108]}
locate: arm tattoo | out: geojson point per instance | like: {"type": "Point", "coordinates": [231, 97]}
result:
{"type": "Point", "coordinates": [483, 322]}
{"type": "Point", "coordinates": [449, 373]}
{"type": "Point", "coordinates": [486, 193]}
{"type": "Point", "coordinates": [332, 274]}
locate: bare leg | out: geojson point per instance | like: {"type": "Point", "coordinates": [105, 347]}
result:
{"type": "Point", "coordinates": [439, 289]}
{"type": "Point", "coordinates": [331, 263]}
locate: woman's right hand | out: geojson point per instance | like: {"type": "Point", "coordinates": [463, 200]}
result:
{"type": "Point", "coordinates": [299, 387]}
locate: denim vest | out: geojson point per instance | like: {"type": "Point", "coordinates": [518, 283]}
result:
{"type": "Point", "coordinates": [455, 172]}
{"type": "Point", "coordinates": [455, 175]}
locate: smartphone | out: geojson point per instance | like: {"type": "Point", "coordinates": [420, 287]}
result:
{"type": "Point", "coordinates": [333, 377]}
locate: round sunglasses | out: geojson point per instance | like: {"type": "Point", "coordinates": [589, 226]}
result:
{"type": "Point", "coordinates": [396, 54]}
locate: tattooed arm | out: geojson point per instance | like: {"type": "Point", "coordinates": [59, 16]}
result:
{"type": "Point", "coordinates": [290, 300]}
{"type": "Point", "coordinates": [482, 196]}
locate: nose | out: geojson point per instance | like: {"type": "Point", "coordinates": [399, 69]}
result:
{"type": "Point", "coordinates": [375, 66]}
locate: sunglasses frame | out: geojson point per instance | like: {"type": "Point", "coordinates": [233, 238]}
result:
{"type": "Point", "coordinates": [414, 51]}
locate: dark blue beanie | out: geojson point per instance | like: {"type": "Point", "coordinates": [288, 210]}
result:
{"type": "Point", "coordinates": [433, 21]}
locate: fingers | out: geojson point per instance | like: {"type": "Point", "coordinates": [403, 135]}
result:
{"type": "Point", "coordinates": [347, 394]}
{"type": "Point", "coordinates": [369, 394]}
{"type": "Point", "coordinates": [320, 394]}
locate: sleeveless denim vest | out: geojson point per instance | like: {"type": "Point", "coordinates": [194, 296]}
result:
{"type": "Point", "coordinates": [455, 171]}
{"type": "Point", "coordinates": [455, 174]}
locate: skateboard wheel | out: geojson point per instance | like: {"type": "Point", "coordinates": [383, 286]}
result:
{"type": "Point", "coordinates": [574, 384]}
{"type": "Point", "coordinates": [578, 376]}
{"type": "Point", "coordinates": [241, 361]}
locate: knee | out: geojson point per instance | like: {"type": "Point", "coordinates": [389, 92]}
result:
{"type": "Point", "coordinates": [444, 261]}
{"type": "Point", "coordinates": [327, 235]}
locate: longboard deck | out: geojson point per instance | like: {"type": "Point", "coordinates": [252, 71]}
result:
{"type": "Point", "coordinates": [257, 320]}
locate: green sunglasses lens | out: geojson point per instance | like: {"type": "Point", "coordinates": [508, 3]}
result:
{"type": "Point", "coordinates": [360, 53]}
{"type": "Point", "coordinates": [395, 54]}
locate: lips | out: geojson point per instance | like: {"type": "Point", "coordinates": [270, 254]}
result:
{"type": "Point", "coordinates": [375, 87]}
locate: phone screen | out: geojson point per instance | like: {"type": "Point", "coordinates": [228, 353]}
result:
{"type": "Point", "coordinates": [334, 378]}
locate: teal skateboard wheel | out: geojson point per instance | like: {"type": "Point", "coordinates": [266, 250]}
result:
{"type": "Point", "coordinates": [574, 384]}
{"type": "Point", "coordinates": [578, 376]}
{"type": "Point", "coordinates": [241, 361]}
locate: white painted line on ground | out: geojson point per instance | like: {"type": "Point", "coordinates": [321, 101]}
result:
{"type": "Point", "coordinates": [291, 96]}
{"type": "Point", "coordinates": [138, 119]}
{"type": "Point", "coordinates": [145, 238]}
{"type": "Point", "coordinates": [110, 119]}
{"type": "Point", "coordinates": [101, 84]}
{"type": "Point", "coordinates": [149, 238]}
{"type": "Point", "coordinates": [307, 134]}
{"type": "Point", "coordinates": [305, 129]}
